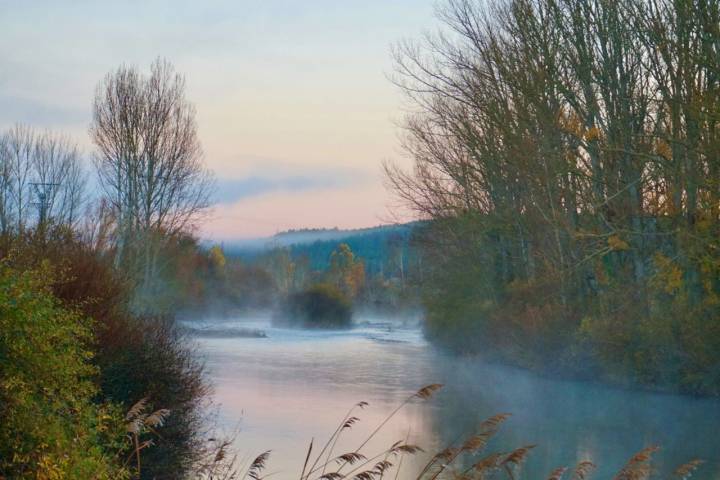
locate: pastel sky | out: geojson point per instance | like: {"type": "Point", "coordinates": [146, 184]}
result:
{"type": "Point", "coordinates": [294, 108]}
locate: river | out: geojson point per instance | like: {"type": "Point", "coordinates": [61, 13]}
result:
{"type": "Point", "coordinates": [280, 392]}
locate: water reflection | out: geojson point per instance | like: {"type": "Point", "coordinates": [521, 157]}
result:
{"type": "Point", "coordinates": [296, 385]}
{"type": "Point", "coordinates": [573, 421]}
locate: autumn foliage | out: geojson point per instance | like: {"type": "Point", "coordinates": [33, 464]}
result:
{"type": "Point", "coordinates": [567, 153]}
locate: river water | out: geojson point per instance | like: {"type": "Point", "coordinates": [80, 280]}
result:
{"type": "Point", "coordinates": [279, 393]}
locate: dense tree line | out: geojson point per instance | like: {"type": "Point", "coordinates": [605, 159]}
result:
{"type": "Point", "coordinates": [567, 152]}
{"type": "Point", "coordinates": [386, 250]}
{"type": "Point", "coordinates": [376, 270]}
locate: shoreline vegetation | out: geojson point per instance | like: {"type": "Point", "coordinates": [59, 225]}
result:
{"type": "Point", "coordinates": [565, 157]}
{"type": "Point", "coordinates": [211, 332]}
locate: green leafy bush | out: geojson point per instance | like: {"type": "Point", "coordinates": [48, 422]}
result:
{"type": "Point", "coordinates": [49, 426]}
{"type": "Point", "coordinates": [154, 360]}
{"type": "Point", "coordinates": [135, 357]}
{"type": "Point", "coordinates": [320, 306]}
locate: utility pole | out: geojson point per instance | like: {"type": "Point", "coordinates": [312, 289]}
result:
{"type": "Point", "coordinates": [43, 191]}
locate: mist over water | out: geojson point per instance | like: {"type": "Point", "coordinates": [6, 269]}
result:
{"type": "Point", "coordinates": [296, 385]}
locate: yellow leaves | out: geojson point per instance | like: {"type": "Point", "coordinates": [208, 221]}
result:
{"type": "Point", "coordinates": [616, 243]}
{"type": "Point", "coordinates": [217, 258]}
{"type": "Point", "coordinates": [592, 133]}
{"type": "Point", "coordinates": [48, 469]}
{"type": "Point", "coordinates": [711, 298]}
{"type": "Point", "coordinates": [47, 379]}
{"type": "Point", "coordinates": [709, 271]}
{"type": "Point", "coordinates": [585, 326]}
{"type": "Point", "coordinates": [669, 276]}
{"type": "Point", "coordinates": [572, 124]}
{"type": "Point", "coordinates": [569, 122]}
{"type": "Point", "coordinates": [674, 279]}
{"type": "Point", "coordinates": [663, 149]}
{"type": "Point", "coordinates": [20, 457]}
{"type": "Point", "coordinates": [347, 272]}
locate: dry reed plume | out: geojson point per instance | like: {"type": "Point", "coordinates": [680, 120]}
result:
{"type": "Point", "coordinates": [358, 464]}
{"type": "Point", "coordinates": [138, 422]}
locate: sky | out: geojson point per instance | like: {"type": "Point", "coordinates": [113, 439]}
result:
{"type": "Point", "coordinates": [294, 108]}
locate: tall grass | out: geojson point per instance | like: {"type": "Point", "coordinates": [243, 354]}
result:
{"type": "Point", "coordinates": [465, 459]}
{"type": "Point", "coordinates": [140, 420]}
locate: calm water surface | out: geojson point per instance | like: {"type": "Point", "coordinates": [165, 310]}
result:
{"type": "Point", "coordinates": [295, 385]}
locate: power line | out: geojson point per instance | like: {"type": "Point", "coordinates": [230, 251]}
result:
{"type": "Point", "coordinates": [43, 191]}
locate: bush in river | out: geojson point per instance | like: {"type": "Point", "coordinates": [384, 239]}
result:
{"type": "Point", "coordinates": [320, 306]}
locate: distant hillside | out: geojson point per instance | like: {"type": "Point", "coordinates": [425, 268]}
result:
{"type": "Point", "coordinates": [384, 248]}
{"type": "Point", "coordinates": [310, 235]}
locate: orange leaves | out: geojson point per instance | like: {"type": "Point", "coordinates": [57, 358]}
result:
{"type": "Point", "coordinates": [572, 124]}
{"type": "Point", "coordinates": [592, 133]}
{"type": "Point", "coordinates": [663, 149]}
{"type": "Point", "coordinates": [346, 271]}
{"type": "Point", "coordinates": [617, 244]}
{"type": "Point", "coordinates": [217, 258]}
{"type": "Point", "coordinates": [569, 122]}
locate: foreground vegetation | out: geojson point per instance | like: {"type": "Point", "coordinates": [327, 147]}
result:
{"type": "Point", "coordinates": [89, 368]}
{"type": "Point", "coordinates": [567, 155]}
{"type": "Point", "coordinates": [465, 459]}
{"type": "Point", "coordinates": [51, 428]}
{"type": "Point", "coordinates": [75, 359]}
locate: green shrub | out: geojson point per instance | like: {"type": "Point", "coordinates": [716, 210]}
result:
{"type": "Point", "coordinates": [154, 360]}
{"type": "Point", "coordinates": [134, 357]}
{"type": "Point", "coordinates": [320, 306]}
{"type": "Point", "coordinates": [49, 426]}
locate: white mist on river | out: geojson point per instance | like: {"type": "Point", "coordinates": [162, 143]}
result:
{"type": "Point", "coordinates": [297, 385]}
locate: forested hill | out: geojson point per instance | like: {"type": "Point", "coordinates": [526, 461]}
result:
{"type": "Point", "coordinates": [379, 247]}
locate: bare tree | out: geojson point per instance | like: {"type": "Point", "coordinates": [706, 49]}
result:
{"type": "Point", "coordinates": [19, 148]}
{"type": "Point", "coordinates": [58, 179]}
{"type": "Point", "coordinates": [6, 184]}
{"type": "Point", "coordinates": [42, 171]}
{"type": "Point", "coordinates": [148, 161]}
